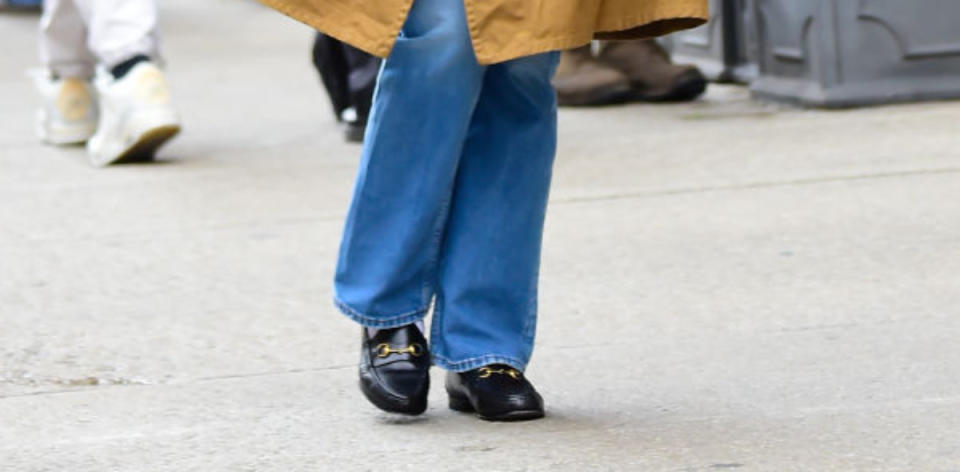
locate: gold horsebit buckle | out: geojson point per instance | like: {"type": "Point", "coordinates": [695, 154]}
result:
{"type": "Point", "coordinates": [384, 350]}
{"type": "Point", "coordinates": [486, 372]}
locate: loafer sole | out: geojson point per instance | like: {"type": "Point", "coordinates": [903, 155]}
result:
{"type": "Point", "coordinates": [461, 404]}
{"type": "Point", "coordinates": [388, 404]}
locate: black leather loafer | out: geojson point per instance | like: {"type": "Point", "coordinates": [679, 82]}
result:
{"type": "Point", "coordinates": [495, 393]}
{"type": "Point", "coordinates": [395, 369]}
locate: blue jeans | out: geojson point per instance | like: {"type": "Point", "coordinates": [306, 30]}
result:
{"type": "Point", "coordinates": [449, 203]}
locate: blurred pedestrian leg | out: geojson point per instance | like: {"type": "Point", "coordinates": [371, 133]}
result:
{"type": "Point", "coordinates": [349, 76]}
{"type": "Point", "coordinates": [624, 71]}
{"type": "Point", "coordinates": [583, 80]}
{"type": "Point", "coordinates": [78, 34]}
{"type": "Point", "coordinates": [653, 75]}
{"type": "Point", "coordinates": [123, 112]}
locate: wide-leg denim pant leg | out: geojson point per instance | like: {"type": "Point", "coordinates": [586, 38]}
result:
{"type": "Point", "coordinates": [486, 305]}
{"type": "Point", "coordinates": [451, 194]}
{"type": "Point", "coordinates": [425, 97]}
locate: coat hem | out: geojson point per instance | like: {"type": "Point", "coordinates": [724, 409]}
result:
{"type": "Point", "coordinates": [682, 14]}
{"type": "Point", "coordinates": [646, 26]}
{"type": "Point", "coordinates": [380, 49]}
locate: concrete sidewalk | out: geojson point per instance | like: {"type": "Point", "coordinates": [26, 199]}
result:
{"type": "Point", "coordinates": [726, 285]}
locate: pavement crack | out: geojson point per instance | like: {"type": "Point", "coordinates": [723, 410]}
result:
{"type": "Point", "coordinates": [755, 185]}
{"type": "Point", "coordinates": [150, 234]}
{"type": "Point", "coordinates": [195, 380]}
{"type": "Point", "coordinates": [268, 373]}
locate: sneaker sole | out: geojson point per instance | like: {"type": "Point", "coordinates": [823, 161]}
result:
{"type": "Point", "coordinates": [63, 135]}
{"type": "Point", "coordinates": [145, 149]}
{"type": "Point", "coordinates": [414, 408]}
{"type": "Point", "coordinates": [66, 138]}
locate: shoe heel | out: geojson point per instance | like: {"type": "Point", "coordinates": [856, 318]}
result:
{"type": "Point", "coordinates": [458, 403]}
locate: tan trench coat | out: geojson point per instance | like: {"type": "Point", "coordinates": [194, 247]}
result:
{"type": "Point", "coordinates": [502, 29]}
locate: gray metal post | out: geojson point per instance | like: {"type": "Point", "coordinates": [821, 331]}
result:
{"type": "Point", "coordinates": [842, 53]}
{"type": "Point", "coordinates": [723, 48]}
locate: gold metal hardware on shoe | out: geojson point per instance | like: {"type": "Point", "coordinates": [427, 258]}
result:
{"type": "Point", "coordinates": [384, 350]}
{"type": "Point", "coordinates": [486, 372]}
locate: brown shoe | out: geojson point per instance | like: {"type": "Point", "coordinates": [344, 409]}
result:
{"type": "Point", "coordinates": [582, 80]}
{"type": "Point", "coordinates": [652, 76]}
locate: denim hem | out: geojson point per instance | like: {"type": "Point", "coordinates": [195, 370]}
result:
{"type": "Point", "coordinates": [477, 362]}
{"type": "Point", "coordinates": [381, 322]}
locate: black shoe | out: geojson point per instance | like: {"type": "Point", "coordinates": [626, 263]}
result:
{"type": "Point", "coordinates": [496, 393]}
{"type": "Point", "coordinates": [354, 132]}
{"type": "Point", "coordinates": [395, 369]}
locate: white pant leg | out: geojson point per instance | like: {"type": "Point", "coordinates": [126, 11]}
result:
{"type": "Point", "coordinates": [121, 29]}
{"type": "Point", "coordinates": [63, 40]}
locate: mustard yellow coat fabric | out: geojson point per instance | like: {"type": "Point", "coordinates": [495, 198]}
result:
{"type": "Point", "coordinates": [502, 29]}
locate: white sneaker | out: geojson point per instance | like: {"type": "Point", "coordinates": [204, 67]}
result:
{"type": "Point", "coordinates": [69, 111]}
{"type": "Point", "coordinates": [136, 117]}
